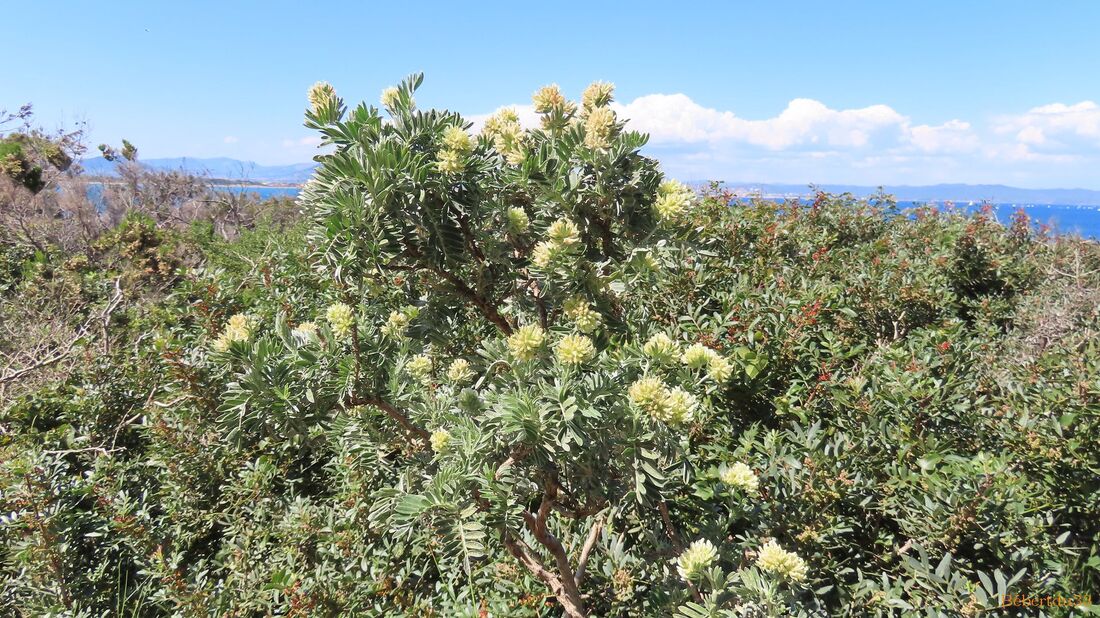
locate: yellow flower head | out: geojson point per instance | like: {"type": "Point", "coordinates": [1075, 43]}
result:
{"type": "Point", "coordinates": [340, 319]}
{"type": "Point", "coordinates": [679, 407]}
{"type": "Point", "coordinates": [697, 356]}
{"type": "Point", "coordinates": [396, 324]}
{"type": "Point", "coordinates": [661, 348]}
{"type": "Point", "coordinates": [547, 98]}
{"type": "Point", "coordinates": [450, 162]}
{"type": "Point", "coordinates": [524, 344]}
{"type": "Point", "coordinates": [419, 366]}
{"type": "Point", "coordinates": [439, 440]}
{"type": "Point", "coordinates": [320, 94]}
{"type": "Point", "coordinates": [599, 128]}
{"type": "Point", "coordinates": [454, 138]}
{"type": "Point", "coordinates": [460, 372]}
{"type": "Point", "coordinates": [597, 94]}
{"type": "Point", "coordinates": [719, 368]}
{"type": "Point", "coordinates": [504, 119]}
{"type": "Point", "coordinates": [786, 564]}
{"type": "Point", "coordinates": [543, 254]}
{"type": "Point", "coordinates": [390, 98]}
{"type": "Point", "coordinates": [584, 317]}
{"type": "Point", "coordinates": [672, 187]}
{"type": "Point", "coordinates": [673, 199]}
{"type": "Point", "coordinates": [511, 146]}
{"type": "Point", "coordinates": [648, 394]}
{"type": "Point", "coordinates": [238, 328]}
{"type": "Point", "coordinates": [564, 233]}
{"type": "Point", "coordinates": [305, 330]}
{"type": "Point", "coordinates": [698, 557]}
{"type": "Point", "coordinates": [575, 350]}
{"type": "Point", "coordinates": [741, 476]}
{"type": "Point", "coordinates": [518, 221]}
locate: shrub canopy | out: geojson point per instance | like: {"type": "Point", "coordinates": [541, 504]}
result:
{"type": "Point", "coordinates": [517, 372]}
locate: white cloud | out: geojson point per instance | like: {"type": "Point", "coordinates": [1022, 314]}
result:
{"type": "Point", "coordinates": [804, 123]}
{"type": "Point", "coordinates": [807, 141]}
{"type": "Point", "coordinates": [230, 139]}
{"type": "Point", "coordinates": [1056, 132]}
{"type": "Point", "coordinates": [951, 136]}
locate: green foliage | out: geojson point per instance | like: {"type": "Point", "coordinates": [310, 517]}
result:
{"type": "Point", "coordinates": [517, 374]}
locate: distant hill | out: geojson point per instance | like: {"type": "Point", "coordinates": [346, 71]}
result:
{"type": "Point", "coordinates": [997, 194]}
{"type": "Point", "coordinates": [298, 173]}
{"type": "Point", "coordinates": [220, 168]}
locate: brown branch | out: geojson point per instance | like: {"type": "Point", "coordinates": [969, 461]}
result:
{"type": "Point", "coordinates": [391, 411]}
{"type": "Point", "coordinates": [483, 305]}
{"type": "Point", "coordinates": [522, 552]}
{"type": "Point", "coordinates": [570, 595]}
{"type": "Point", "coordinates": [103, 318]}
{"type": "Point", "coordinates": [586, 551]}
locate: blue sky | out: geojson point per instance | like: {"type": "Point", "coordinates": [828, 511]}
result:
{"type": "Point", "coordinates": [826, 92]}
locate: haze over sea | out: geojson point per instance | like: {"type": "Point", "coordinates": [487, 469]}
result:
{"type": "Point", "coordinates": [1062, 218]}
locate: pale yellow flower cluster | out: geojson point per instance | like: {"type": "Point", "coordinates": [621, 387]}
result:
{"type": "Point", "coordinates": [457, 146]}
{"type": "Point", "coordinates": [661, 348]}
{"type": "Point", "coordinates": [340, 319]}
{"type": "Point", "coordinates": [439, 440]}
{"type": "Point", "coordinates": [786, 564]}
{"type": "Point", "coordinates": [679, 407]}
{"type": "Point", "coordinates": [390, 98]}
{"type": "Point", "coordinates": [525, 343]}
{"type": "Point", "coordinates": [563, 238]}
{"type": "Point", "coordinates": [518, 221]}
{"type": "Point", "coordinates": [321, 94]}
{"type": "Point", "coordinates": [674, 198]}
{"type": "Point", "coordinates": [419, 366]}
{"type": "Point", "coordinates": [556, 110]}
{"type": "Point", "coordinates": [508, 137]}
{"type": "Point", "coordinates": [460, 372]}
{"type": "Point", "coordinates": [698, 356]}
{"type": "Point", "coordinates": [741, 476]}
{"type": "Point", "coordinates": [697, 558]}
{"type": "Point", "coordinates": [575, 350]}
{"type": "Point", "coordinates": [238, 328]}
{"type": "Point", "coordinates": [672, 406]}
{"type": "Point", "coordinates": [584, 317]}
{"type": "Point", "coordinates": [398, 321]}
{"type": "Point", "coordinates": [450, 162]}
{"type": "Point", "coordinates": [599, 128]}
{"type": "Point", "coordinates": [597, 94]}
{"type": "Point", "coordinates": [305, 330]}
{"type": "Point", "coordinates": [549, 98]}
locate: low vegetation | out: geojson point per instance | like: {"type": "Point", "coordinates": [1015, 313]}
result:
{"type": "Point", "coordinates": [518, 372]}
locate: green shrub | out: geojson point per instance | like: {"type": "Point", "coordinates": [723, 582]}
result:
{"type": "Point", "coordinates": [519, 373]}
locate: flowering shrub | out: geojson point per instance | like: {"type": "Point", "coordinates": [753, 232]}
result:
{"type": "Point", "coordinates": [519, 373]}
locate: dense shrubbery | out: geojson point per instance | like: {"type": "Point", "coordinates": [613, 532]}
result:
{"type": "Point", "coordinates": [516, 374]}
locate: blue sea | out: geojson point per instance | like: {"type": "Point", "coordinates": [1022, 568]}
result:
{"type": "Point", "coordinates": [1062, 218]}
{"type": "Point", "coordinates": [1083, 221]}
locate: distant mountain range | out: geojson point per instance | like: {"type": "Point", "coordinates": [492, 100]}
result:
{"type": "Point", "coordinates": [996, 194]}
{"type": "Point", "coordinates": [223, 168]}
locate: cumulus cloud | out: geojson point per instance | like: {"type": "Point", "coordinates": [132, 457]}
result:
{"type": "Point", "coordinates": [951, 136]}
{"type": "Point", "coordinates": [805, 122]}
{"type": "Point", "coordinates": [1054, 127]}
{"type": "Point", "coordinates": [809, 141]}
